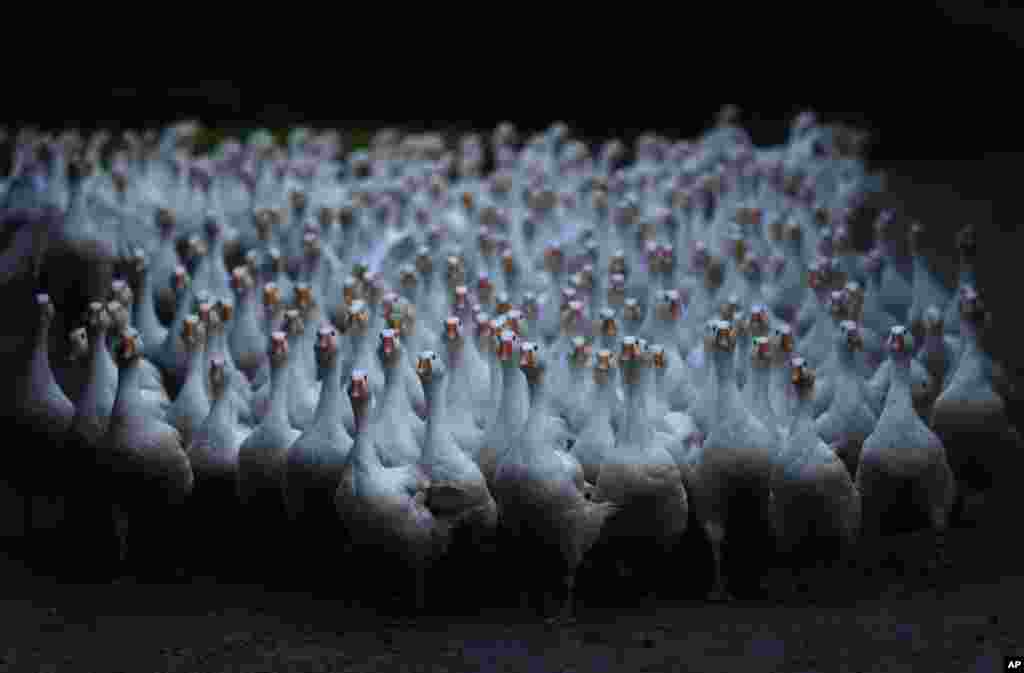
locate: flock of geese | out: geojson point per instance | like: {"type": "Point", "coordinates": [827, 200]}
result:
{"type": "Point", "coordinates": [419, 351]}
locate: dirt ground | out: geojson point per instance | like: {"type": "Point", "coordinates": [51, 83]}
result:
{"type": "Point", "coordinates": [889, 621]}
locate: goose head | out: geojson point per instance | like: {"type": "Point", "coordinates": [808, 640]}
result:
{"type": "Point", "coordinates": [484, 288]}
{"type": "Point", "coordinates": [723, 336]}
{"type": "Point", "coordinates": [359, 318]}
{"type": "Point", "coordinates": [502, 303]}
{"type": "Point", "coordinates": [484, 333]}
{"type": "Point", "coordinates": [350, 291]}
{"type": "Point", "coordinates": [193, 332]}
{"type": "Point", "coordinates": [195, 249]}
{"type": "Point", "coordinates": [78, 344]}
{"type": "Point", "coordinates": [389, 348]}
{"type": "Point", "coordinates": [972, 308]}
{"type": "Point", "coordinates": [326, 348]}
{"type": "Point", "coordinates": [509, 264]}
{"type": "Point", "coordinates": [218, 376]}
{"type": "Point", "coordinates": [241, 281]}
{"type": "Point", "coordinates": [430, 368]}
{"type": "Point", "coordinates": [530, 306]}
{"type": "Point", "coordinates": [631, 313]}
{"type": "Point", "coordinates": [129, 347]}
{"type": "Point", "coordinates": [801, 377]}
{"type": "Point", "coordinates": [96, 317]}
{"type": "Point", "coordinates": [604, 366]}
{"type": "Point", "coordinates": [630, 360]}
{"type": "Point", "coordinates": [46, 310]}
{"type": "Point", "coordinates": [359, 392]}
{"type": "Point", "coordinates": [758, 320]}
{"type": "Point", "coordinates": [224, 309]}
{"type": "Point", "coordinates": [278, 349]}
{"type": "Point", "coordinates": [838, 305]}
{"type": "Point", "coordinates": [180, 281]}
{"type": "Point", "coordinates": [606, 324]}
{"type": "Point", "coordinates": [658, 357]}
{"type": "Point", "coordinates": [276, 259]}
{"type": "Point", "coordinates": [454, 272]}
{"type": "Point", "coordinates": [531, 362]}
{"type": "Point", "coordinates": [729, 308]}
{"type": "Point", "coordinates": [508, 348]}
{"type": "Point", "coordinates": [271, 297]}
{"type": "Point", "coordinates": [120, 315]}
{"type": "Point", "coordinates": [304, 300]}
{"type": "Point", "coordinates": [514, 321]}
{"type": "Point", "coordinates": [262, 221]}
{"type": "Point", "coordinates": [407, 279]}
{"type": "Point", "coordinates": [579, 355]}
{"type": "Point", "coordinates": [294, 326]}
{"type": "Point", "coordinates": [761, 352]}
{"type": "Point", "coordinates": [900, 343]}
{"type": "Point", "coordinates": [714, 273]}
{"type": "Point", "coordinates": [453, 332]}
{"type": "Point", "coordinates": [933, 321]}
{"type": "Point", "coordinates": [851, 336]}
{"type": "Point", "coordinates": [573, 319]}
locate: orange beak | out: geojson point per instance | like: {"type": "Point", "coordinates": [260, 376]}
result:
{"type": "Point", "coordinates": [451, 327]}
{"type": "Point", "coordinates": [389, 344]}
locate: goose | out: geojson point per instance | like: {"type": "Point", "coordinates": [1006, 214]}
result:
{"type": "Point", "coordinates": [144, 317]}
{"type": "Point", "coordinates": [42, 405]}
{"type": "Point", "coordinates": [302, 393]}
{"type": "Point", "coordinates": [970, 416]}
{"type": "Point", "coordinates": [317, 458]}
{"type": "Point", "coordinates": [539, 495]}
{"type": "Point", "coordinates": [813, 495]}
{"type": "Point", "coordinates": [192, 405]}
{"type": "Point", "coordinates": [246, 336]}
{"type": "Point", "coordinates": [213, 454]}
{"type": "Point", "coordinates": [398, 433]}
{"type": "Point", "coordinates": [511, 416]}
{"type": "Point", "coordinates": [263, 458]}
{"type": "Point", "coordinates": [458, 491]}
{"type": "Point", "coordinates": [597, 438]}
{"type": "Point", "coordinates": [736, 459]}
{"type": "Point", "coordinates": [903, 469]}
{"type": "Point", "coordinates": [639, 474]}
{"type": "Point", "coordinates": [92, 410]}
{"type": "Point", "coordinates": [154, 476]}
{"type": "Point", "coordinates": [171, 357]}
{"type": "Point", "coordinates": [463, 388]}
{"type": "Point", "coordinates": [386, 508]}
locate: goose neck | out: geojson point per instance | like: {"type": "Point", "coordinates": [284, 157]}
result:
{"type": "Point", "coordinates": [636, 422]}
{"type": "Point", "coordinates": [898, 398]}
{"type": "Point", "coordinates": [435, 394]}
{"type": "Point", "coordinates": [803, 416]}
{"type": "Point", "coordinates": [364, 455]}
{"type": "Point", "coordinates": [278, 408]}
{"type": "Point", "coordinates": [329, 405]}
{"type": "Point", "coordinates": [128, 385]}
{"type": "Point", "coordinates": [725, 390]}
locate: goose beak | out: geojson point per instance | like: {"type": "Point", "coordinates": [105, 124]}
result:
{"type": "Point", "coordinates": [609, 328]}
{"type": "Point", "coordinates": [505, 350]}
{"type": "Point", "coordinates": [423, 367]}
{"type": "Point", "coordinates": [451, 329]}
{"type": "Point", "coordinates": [360, 389]}
{"type": "Point", "coordinates": [528, 359]}
{"type": "Point", "coordinates": [388, 345]}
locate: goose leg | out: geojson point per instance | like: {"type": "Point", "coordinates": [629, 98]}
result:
{"type": "Point", "coordinates": [716, 534]}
